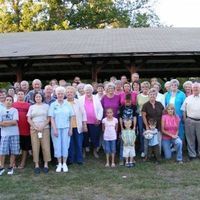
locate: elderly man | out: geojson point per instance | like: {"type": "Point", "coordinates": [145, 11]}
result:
{"type": "Point", "coordinates": [24, 85]}
{"type": "Point", "coordinates": [37, 87]}
{"type": "Point", "coordinates": [191, 108]}
{"type": "Point", "coordinates": [48, 94]}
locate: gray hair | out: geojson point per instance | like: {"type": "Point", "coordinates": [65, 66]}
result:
{"type": "Point", "coordinates": [110, 84]}
{"type": "Point", "coordinates": [88, 87]}
{"type": "Point", "coordinates": [80, 85]}
{"type": "Point", "coordinates": [167, 83]}
{"type": "Point", "coordinates": [187, 83]}
{"type": "Point", "coordinates": [195, 84]}
{"type": "Point", "coordinates": [174, 81]}
{"type": "Point", "coordinates": [145, 83]}
{"type": "Point", "coordinates": [153, 90]}
{"type": "Point", "coordinates": [60, 89]}
{"type": "Point", "coordinates": [71, 88]}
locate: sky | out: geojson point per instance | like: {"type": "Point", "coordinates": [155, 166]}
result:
{"type": "Point", "coordinates": [178, 13]}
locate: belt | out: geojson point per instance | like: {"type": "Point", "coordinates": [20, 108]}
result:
{"type": "Point", "coordinates": [193, 119]}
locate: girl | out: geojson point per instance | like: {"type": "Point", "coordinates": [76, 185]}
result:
{"type": "Point", "coordinates": [109, 126]}
{"type": "Point", "coordinates": [170, 129]}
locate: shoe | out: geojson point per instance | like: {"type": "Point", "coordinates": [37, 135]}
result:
{"type": "Point", "coordinates": [10, 171]}
{"type": "Point", "coordinates": [46, 170]}
{"type": "Point", "coordinates": [2, 170]}
{"type": "Point", "coordinates": [59, 167]}
{"type": "Point", "coordinates": [142, 155]}
{"type": "Point", "coordinates": [113, 165]}
{"type": "Point", "coordinates": [65, 168]}
{"type": "Point", "coordinates": [121, 163]}
{"type": "Point", "coordinates": [192, 158]}
{"type": "Point", "coordinates": [37, 170]}
{"type": "Point", "coordinates": [80, 163]}
{"type": "Point", "coordinates": [87, 149]}
{"type": "Point", "coordinates": [107, 165]}
{"type": "Point", "coordinates": [95, 154]}
{"type": "Point", "coordinates": [127, 165]}
{"type": "Point", "coordinates": [131, 164]}
{"type": "Point", "coordinates": [180, 162]}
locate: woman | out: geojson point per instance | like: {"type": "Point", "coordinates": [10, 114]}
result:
{"type": "Point", "coordinates": [170, 125]}
{"type": "Point", "coordinates": [100, 91]}
{"type": "Point", "coordinates": [127, 90]}
{"type": "Point", "coordinates": [78, 127]}
{"type": "Point", "coordinates": [94, 112]}
{"type": "Point", "coordinates": [80, 90]}
{"type": "Point", "coordinates": [136, 86]}
{"type": "Point", "coordinates": [24, 128]}
{"type": "Point", "coordinates": [152, 110]}
{"type": "Point", "coordinates": [176, 97]}
{"type": "Point", "coordinates": [142, 98]}
{"type": "Point", "coordinates": [40, 136]}
{"type": "Point", "coordinates": [111, 100]}
{"type": "Point", "coordinates": [187, 86]}
{"type": "Point", "coordinates": [61, 114]}
{"type": "Point", "coordinates": [118, 87]}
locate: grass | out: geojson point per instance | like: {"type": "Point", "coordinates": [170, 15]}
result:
{"type": "Point", "coordinates": [168, 180]}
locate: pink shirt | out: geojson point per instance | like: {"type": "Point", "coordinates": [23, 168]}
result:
{"type": "Point", "coordinates": [110, 132]}
{"type": "Point", "coordinates": [171, 124]}
{"type": "Point", "coordinates": [89, 109]}
{"type": "Point", "coordinates": [133, 98]}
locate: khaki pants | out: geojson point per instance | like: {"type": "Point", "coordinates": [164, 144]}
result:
{"type": "Point", "coordinates": [44, 142]}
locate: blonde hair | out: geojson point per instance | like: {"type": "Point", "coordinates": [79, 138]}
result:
{"type": "Point", "coordinates": [170, 106]}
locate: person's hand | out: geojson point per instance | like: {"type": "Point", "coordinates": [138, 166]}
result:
{"type": "Point", "coordinates": [97, 122]}
{"type": "Point", "coordinates": [85, 129]}
{"type": "Point", "coordinates": [55, 132]}
{"type": "Point", "coordinates": [70, 132]}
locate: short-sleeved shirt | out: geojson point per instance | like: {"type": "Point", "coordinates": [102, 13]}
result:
{"type": "Point", "coordinates": [24, 127]}
{"type": "Point", "coordinates": [128, 137]}
{"type": "Point", "coordinates": [133, 97]}
{"type": "Point", "coordinates": [110, 132]}
{"type": "Point", "coordinates": [38, 113]}
{"type": "Point", "coordinates": [153, 113]}
{"type": "Point", "coordinates": [171, 125]}
{"type": "Point", "coordinates": [154, 140]}
{"type": "Point", "coordinates": [127, 112]}
{"type": "Point", "coordinates": [9, 115]}
{"type": "Point", "coordinates": [61, 113]}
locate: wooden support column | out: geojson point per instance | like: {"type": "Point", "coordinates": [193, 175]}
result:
{"type": "Point", "coordinates": [95, 71]}
{"type": "Point", "coordinates": [132, 69]}
{"type": "Point", "coordinates": [19, 72]}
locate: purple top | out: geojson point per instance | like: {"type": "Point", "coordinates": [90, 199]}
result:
{"type": "Point", "coordinates": [113, 103]}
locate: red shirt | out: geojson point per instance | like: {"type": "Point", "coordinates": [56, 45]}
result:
{"type": "Point", "coordinates": [22, 107]}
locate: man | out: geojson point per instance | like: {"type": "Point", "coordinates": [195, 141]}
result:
{"type": "Point", "coordinates": [37, 87]}
{"type": "Point", "coordinates": [24, 85]}
{"type": "Point", "coordinates": [48, 94]}
{"type": "Point", "coordinates": [134, 78]}
{"type": "Point", "coordinates": [123, 79]}
{"type": "Point", "coordinates": [191, 109]}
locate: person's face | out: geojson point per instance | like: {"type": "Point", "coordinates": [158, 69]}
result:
{"type": "Point", "coordinates": [53, 83]}
{"type": "Point", "coordinates": [8, 102]}
{"type": "Point", "coordinates": [70, 94]}
{"type": "Point", "coordinates": [81, 91]}
{"type": "Point", "coordinates": [144, 89]}
{"type": "Point", "coordinates": [77, 80]}
{"type": "Point", "coordinates": [123, 79]}
{"type": "Point", "coordinates": [128, 124]}
{"type": "Point", "coordinates": [170, 111]}
{"type": "Point", "coordinates": [38, 98]}
{"type": "Point", "coordinates": [156, 87]}
{"type": "Point", "coordinates": [109, 113]}
{"type": "Point", "coordinates": [127, 88]}
{"type": "Point", "coordinates": [167, 87]}
{"type": "Point", "coordinates": [17, 85]}
{"type": "Point", "coordinates": [152, 126]}
{"type": "Point", "coordinates": [24, 86]}
{"type": "Point", "coordinates": [60, 95]}
{"type": "Point", "coordinates": [174, 87]}
{"type": "Point", "coordinates": [100, 90]}
{"type": "Point", "coordinates": [153, 81]}
{"type": "Point", "coordinates": [128, 102]}
{"type": "Point", "coordinates": [11, 92]}
{"type": "Point", "coordinates": [188, 88]}
{"type": "Point", "coordinates": [20, 96]}
{"type": "Point", "coordinates": [196, 89]}
{"type": "Point", "coordinates": [134, 77]}
{"type": "Point", "coordinates": [152, 96]}
{"type": "Point", "coordinates": [2, 97]}
{"type": "Point", "coordinates": [48, 91]}
{"type": "Point", "coordinates": [74, 85]}
{"type": "Point", "coordinates": [136, 87]}
{"type": "Point", "coordinates": [36, 85]}
{"type": "Point", "coordinates": [110, 90]}
{"type": "Point", "coordinates": [118, 86]}
{"type": "Point", "coordinates": [88, 93]}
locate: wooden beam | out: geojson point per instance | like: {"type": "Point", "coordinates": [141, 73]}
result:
{"type": "Point", "coordinates": [95, 71]}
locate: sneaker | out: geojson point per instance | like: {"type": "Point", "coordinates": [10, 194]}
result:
{"type": "Point", "coordinates": [37, 170]}
{"type": "Point", "coordinates": [59, 167]}
{"type": "Point", "coordinates": [10, 171]}
{"type": "Point", "coordinates": [107, 165]}
{"type": "Point", "coordinates": [127, 165]}
{"type": "Point", "coordinates": [2, 170]}
{"type": "Point", "coordinates": [180, 162]}
{"type": "Point", "coordinates": [46, 170]}
{"type": "Point", "coordinates": [142, 155]}
{"type": "Point", "coordinates": [121, 163]}
{"type": "Point", "coordinates": [113, 165]}
{"type": "Point", "coordinates": [131, 164]}
{"type": "Point", "coordinates": [65, 168]}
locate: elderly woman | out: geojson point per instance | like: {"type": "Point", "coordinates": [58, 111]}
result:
{"type": "Point", "coordinates": [127, 90]}
{"type": "Point", "coordinates": [100, 91]}
{"type": "Point", "coordinates": [152, 110]}
{"type": "Point", "coordinates": [78, 127]}
{"type": "Point", "coordinates": [176, 97]}
{"type": "Point", "coordinates": [40, 136]}
{"type": "Point", "coordinates": [61, 114]}
{"type": "Point", "coordinates": [187, 86]}
{"type": "Point", "coordinates": [80, 90]}
{"type": "Point", "coordinates": [118, 87]}
{"type": "Point", "coordinates": [160, 97]}
{"type": "Point", "coordinates": [142, 98]}
{"type": "Point", "coordinates": [94, 112]}
{"type": "Point", "coordinates": [110, 99]}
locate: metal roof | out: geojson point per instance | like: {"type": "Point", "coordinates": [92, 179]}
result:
{"type": "Point", "coordinates": [100, 41]}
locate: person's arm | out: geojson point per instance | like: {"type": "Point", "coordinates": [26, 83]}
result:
{"type": "Point", "coordinates": [8, 123]}
{"type": "Point", "coordinates": [134, 122]}
{"type": "Point", "coordinates": [116, 127]}
{"type": "Point", "coordinates": [32, 124]}
{"type": "Point", "coordinates": [70, 128]}
{"type": "Point", "coordinates": [166, 132]}
{"type": "Point", "coordinates": [53, 124]}
{"type": "Point", "coordinates": [144, 117]}
{"type": "Point", "coordinates": [103, 127]}
{"type": "Point", "coordinates": [121, 123]}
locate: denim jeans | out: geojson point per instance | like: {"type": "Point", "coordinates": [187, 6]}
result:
{"type": "Point", "coordinates": [76, 146]}
{"type": "Point", "coordinates": [141, 130]}
{"type": "Point", "coordinates": [166, 144]}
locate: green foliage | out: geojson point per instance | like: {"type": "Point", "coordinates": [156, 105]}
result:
{"type": "Point", "coordinates": [36, 15]}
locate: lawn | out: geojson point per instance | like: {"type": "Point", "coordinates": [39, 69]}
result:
{"type": "Point", "coordinates": [92, 180]}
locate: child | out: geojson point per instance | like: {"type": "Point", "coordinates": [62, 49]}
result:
{"type": "Point", "coordinates": [9, 134]}
{"type": "Point", "coordinates": [109, 126]}
{"type": "Point", "coordinates": [128, 138]}
{"type": "Point", "coordinates": [153, 143]}
{"type": "Point", "coordinates": [127, 111]}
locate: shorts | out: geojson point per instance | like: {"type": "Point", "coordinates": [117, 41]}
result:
{"type": "Point", "coordinates": [110, 146]}
{"type": "Point", "coordinates": [128, 151]}
{"type": "Point", "coordinates": [25, 142]}
{"type": "Point", "coordinates": [9, 145]}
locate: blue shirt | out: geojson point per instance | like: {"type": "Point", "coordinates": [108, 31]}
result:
{"type": "Point", "coordinates": [61, 113]}
{"type": "Point", "coordinates": [154, 140]}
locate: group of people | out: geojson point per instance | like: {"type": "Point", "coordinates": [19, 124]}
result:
{"type": "Point", "coordinates": [68, 120]}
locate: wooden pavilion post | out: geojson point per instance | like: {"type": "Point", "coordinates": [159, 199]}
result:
{"type": "Point", "coordinates": [95, 71]}
{"type": "Point", "coordinates": [19, 73]}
